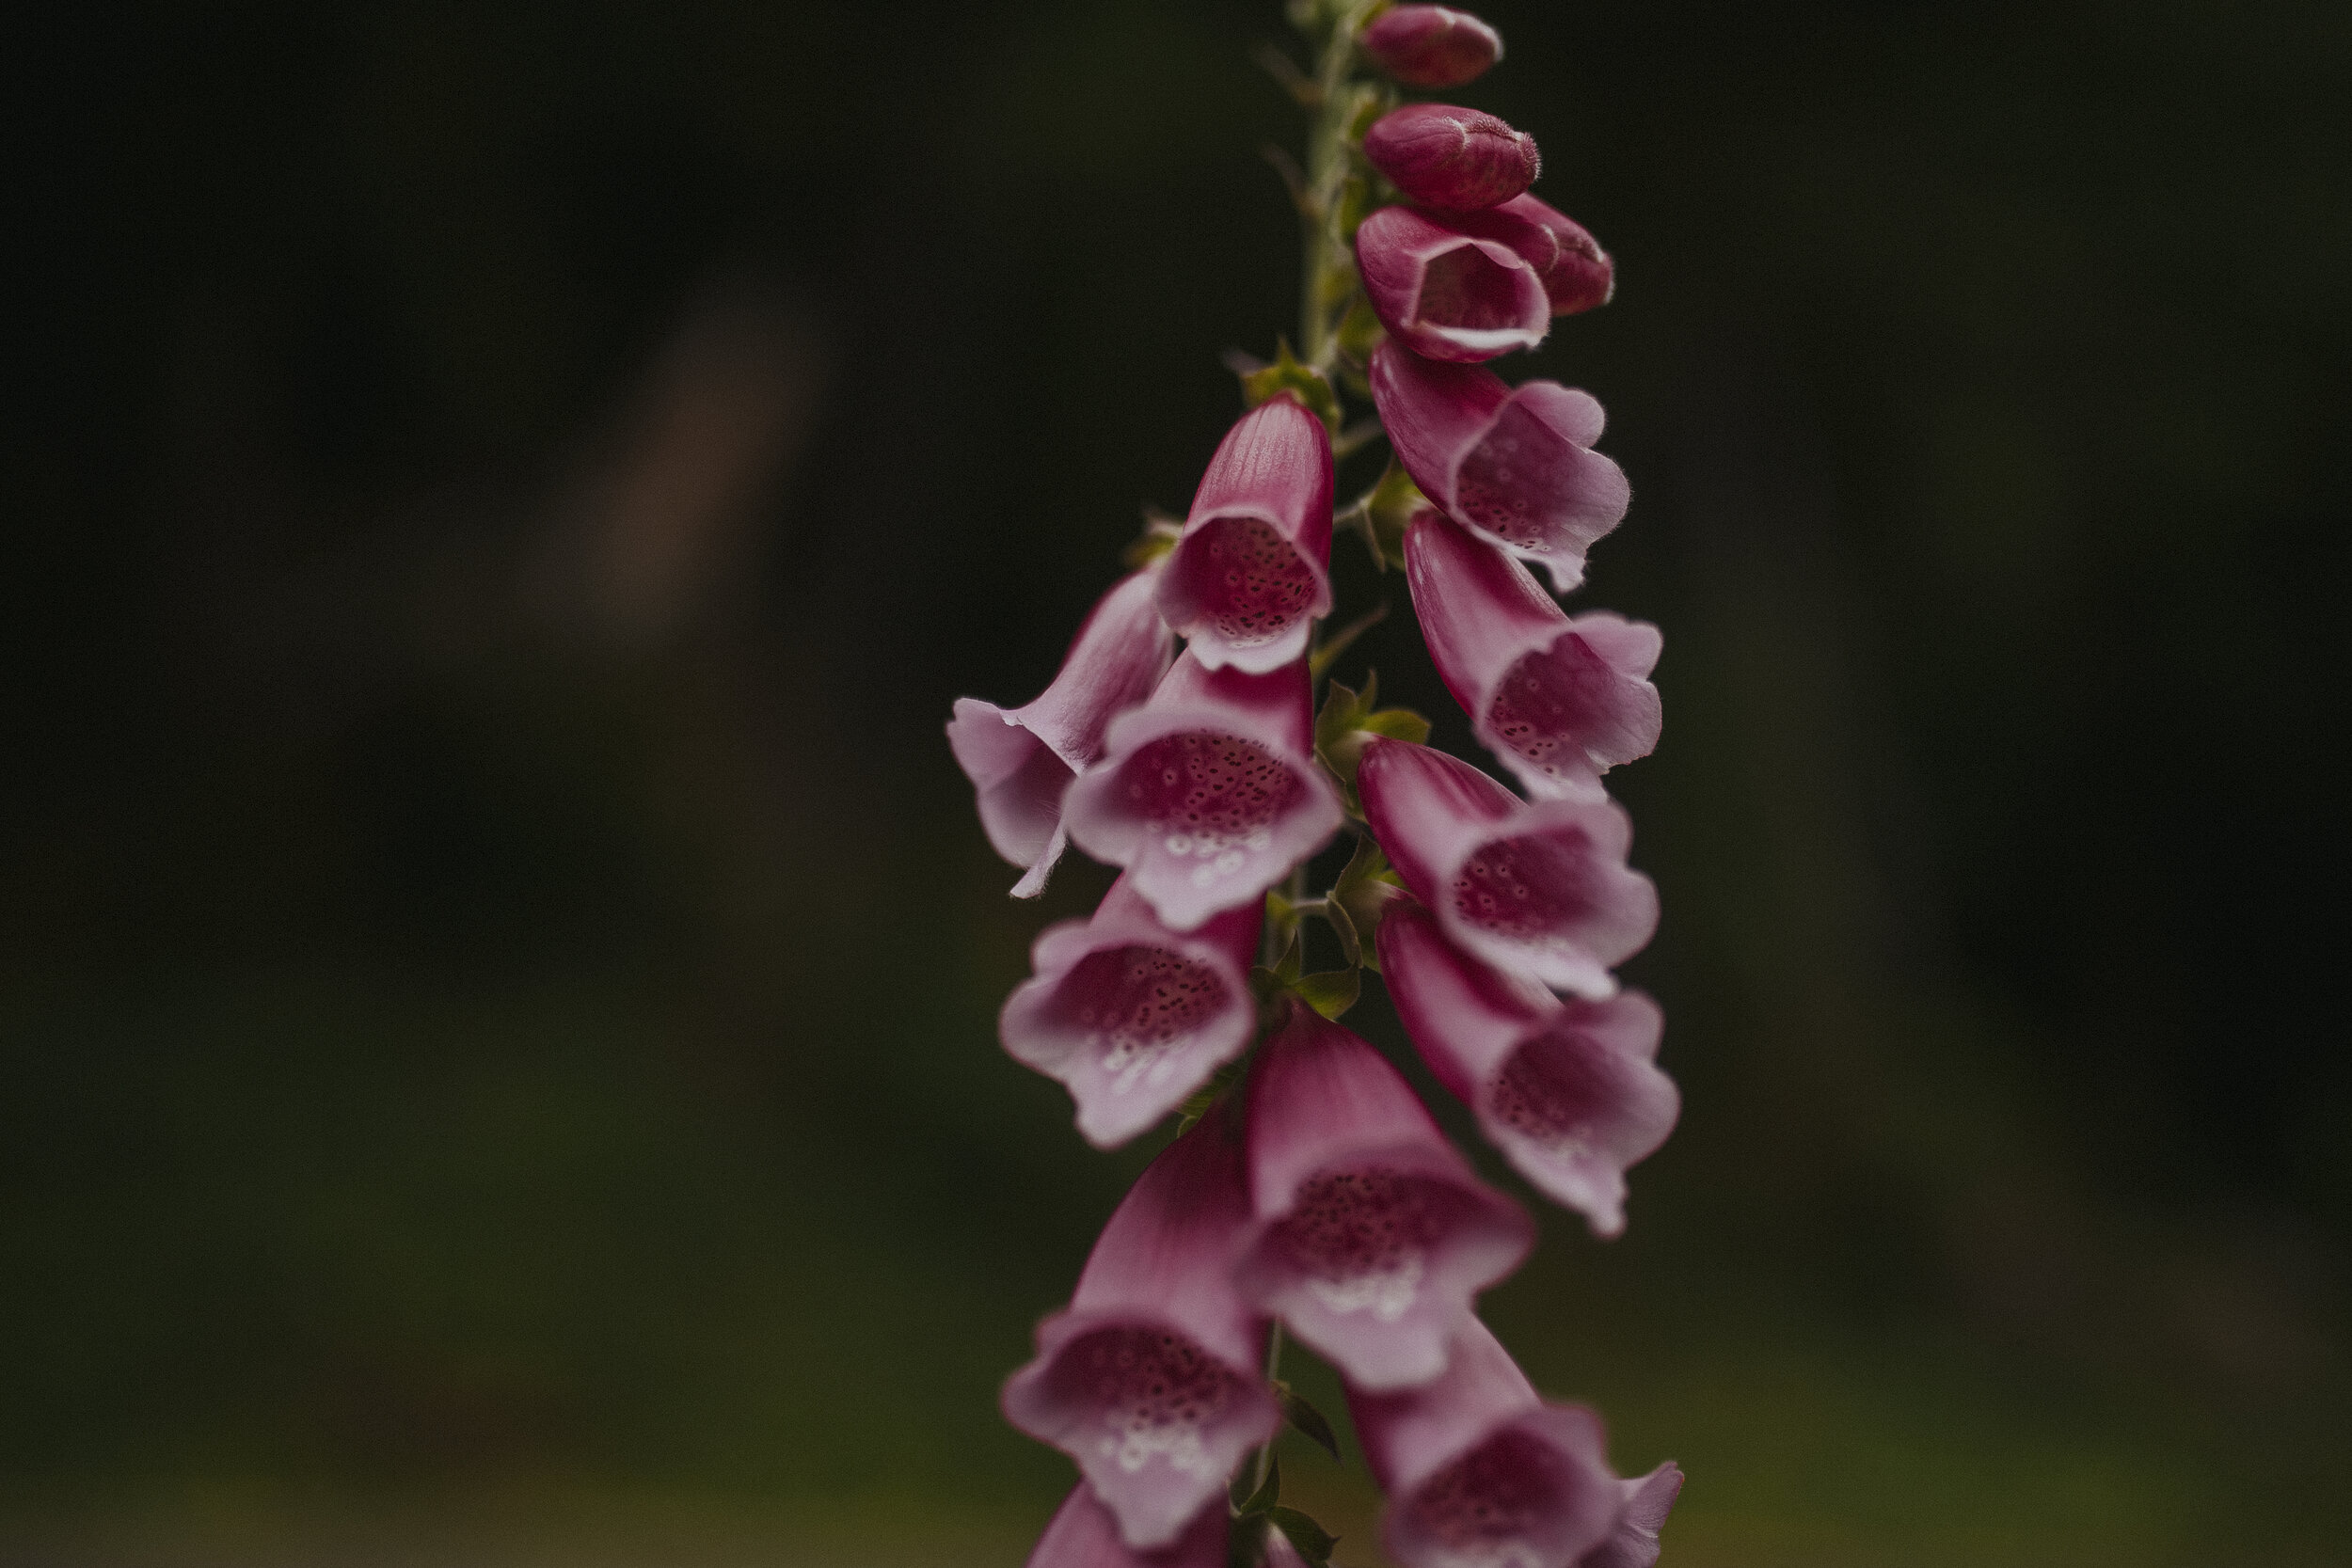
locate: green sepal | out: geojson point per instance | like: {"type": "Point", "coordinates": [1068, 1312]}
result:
{"type": "Point", "coordinates": [1301, 1414]}
{"type": "Point", "coordinates": [1200, 1101]}
{"type": "Point", "coordinates": [1389, 507]}
{"type": "Point", "coordinates": [1310, 1540]}
{"type": "Point", "coordinates": [1347, 720]}
{"type": "Point", "coordinates": [1161, 530]}
{"type": "Point", "coordinates": [1342, 927]}
{"type": "Point", "coordinates": [1364, 891]}
{"type": "Point", "coordinates": [1330, 992]}
{"type": "Point", "coordinates": [1303, 382]}
{"type": "Point", "coordinates": [1269, 1492]}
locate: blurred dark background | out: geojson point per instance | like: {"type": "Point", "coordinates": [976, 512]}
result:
{"type": "Point", "coordinates": [500, 969]}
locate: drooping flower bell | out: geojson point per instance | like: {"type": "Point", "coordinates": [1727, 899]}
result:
{"type": "Point", "coordinates": [1131, 1016]}
{"type": "Point", "coordinates": [1539, 890]}
{"type": "Point", "coordinates": [1251, 570]}
{"type": "Point", "coordinates": [1560, 701]}
{"type": "Point", "coordinates": [1515, 466]}
{"type": "Point", "coordinates": [1448, 294]}
{"type": "Point", "coordinates": [1479, 1470]}
{"type": "Point", "coordinates": [1022, 760]}
{"type": "Point", "coordinates": [1209, 793]}
{"type": "Point", "coordinates": [1454, 159]}
{"type": "Point", "coordinates": [1569, 1092]}
{"type": "Point", "coordinates": [1431, 46]}
{"type": "Point", "coordinates": [1374, 1233]}
{"type": "Point", "coordinates": [1577, 274]}
{"type": "Point", "coordinates": [1084, 1534]}
{"type": "Point", "coordinates": [1149, 1379]}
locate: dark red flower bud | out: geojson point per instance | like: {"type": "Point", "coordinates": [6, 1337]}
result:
{"type": "Point", "coordinates": [1456, 159]}
{"type": "Point", "coordinates": [1432, 46]}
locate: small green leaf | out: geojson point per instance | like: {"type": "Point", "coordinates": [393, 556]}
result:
{"type": "Point", "coordinates": [1307, 1419]}
{"type": "Point", "coordinates": [1343, 710]}
{"type": "Point", "coordinates": [1312, 1540]}
{"type": "Point", "coordinates": [1398, 724]}
{"type": "Point", "coordinates": [1269, 1492]}
{"type": "Point", "coordinates": [1303, 382]}
{"type": "Point", "coordinates": [1343, 927]}
{"type": "Point", "coordinates": [1390, 506]}
{"type": "Point", "coordinates": [1330, 992]}
{"type": "Point", "coordinates": [1365, 889]}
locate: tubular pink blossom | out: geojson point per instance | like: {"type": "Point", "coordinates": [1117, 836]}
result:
{"type": "Point", "coordinates": [1148, 1379]}
{"type": "Point", "coordinates": [1560, 701]}
{"type": "Point", "coordinates": [1513, 465]}
{"type": "Point", "coordinates": [1633, 1543]}
{"type": "Point", "coordinates": [1251, 571]}
{"type": "Point", "coordinates": [1022, 761]}
{"type": "Point", "coordinates": [1208, 792]}
{"type": "Point", "coordinates": [1084, 1534]}
{"type": "Point", "coordinates": [1454, 159]}
{"type": "Point", "coordinates": [1538, 889]}
{"type": "Point", "coordinates": [1569, 1092]}
{"type": "Point", "coordinates": [1576, 272]}
{"type": "Point", "coordinates": [1431, 46]}
{"type": "Point", "coordinates": [1445, 294]}
{"type": "Point", "coordinates": [1479, 1470]}
{"type": "Point", "coordinates": [1373, 1234]}
{"type": "Point", "coordinates": [1131, 1016]}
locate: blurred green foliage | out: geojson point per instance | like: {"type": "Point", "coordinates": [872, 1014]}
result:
{"type": "Point", "coordinates": [499, 970]}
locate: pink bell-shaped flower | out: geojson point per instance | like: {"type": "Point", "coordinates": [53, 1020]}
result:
{"type": "Point", "coordinates": [1023, 759]}
{"type": "Point", "coordinates": [1447, 293]}
{"type": "Point", "coordinates": [1560, 701]}
{"type": "Point", "coordinates": [1209, 793]}
{"type": "Point", "coordinates": [1250, 573]}
{"type": "Point", "coordinates": [1431, 46]}
{"type": "Point", "coordinates": [1569, 1092]}
{"type": "Point", "coordinates": [1538, 889]}
{"type": "Point", "coordinates": [1633, 1543]}
{"type": "Point", "coordinates": [1131, 1016]}
{"type": "Point", "coordinates": [1149, 1379]}
{"type": "Point", "coordinates": [1454, 159]}
{"type": "Point", "coordinates": [1374, 1233]}
{"type": "Point", "coordinates": [1576, 272]}
{"type": "Point", "coordinates": [1515, 466]}
{"type": "Point", "coordinates": [1084, 1534]}
{"type": "Point", "coordinates": [1479, 1470]}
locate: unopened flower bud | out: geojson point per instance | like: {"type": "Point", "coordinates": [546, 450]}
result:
{"type": "Point", "coordinates": [1432, 46]}
{"type": "Point", "coordinates": [1446, 293]}
{"type": "Point", "coordinates": [1456, 159]}
{"type": "Point", "coordinates": [1577, 274]}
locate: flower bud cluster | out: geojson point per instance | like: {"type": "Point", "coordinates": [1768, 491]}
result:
{"type": "Point", "coordinates": [1310, 1193]}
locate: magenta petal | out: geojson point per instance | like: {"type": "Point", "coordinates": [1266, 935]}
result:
{"type": "Point", "coordinates": [1131, 1016]}
{"type": "Point", "coordinates": [1251, 571]}
{"type": "Point", "coordinates": [1374, 1234]}
{"type": "Point", "coordinates": [1209, 793]}
{"type": "Point", "coordinates": [1431, 46]}
{"type": "Point", "coordinates": [1479, 1470]}
{"type": "Point", "coordinates": [1445, 294]}
{"type": "Point", "coordinates": [1454, 159]}
{"type": "Point", "coordinates": [1576, 272]}
{"type": "Point", "coordinates": [1633, 1543]}
{"type": "Point", "coordinates": [1513, 465]}
{"type": "Point", "coordinates": [1020, 761]}
{"type": "Point", "coordinates": [1084, 1534]}
{"type": "Point", "coordinates": [1561, 702]}
{"type": "Point", "coordinates": [1540, 890]}
{"type": "Point", "coordinates": [1569, 1092]}
{"type": "Point", "coordinates": [1149, 1380]}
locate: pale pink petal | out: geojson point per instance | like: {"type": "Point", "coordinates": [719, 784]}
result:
{"type": "Point", "coordinates": [1540, 890]}
{"type": "Point", "coordinates": [1431, 46]}
{"type": "Point", "coordinates": [1149, 1379]}
{"type": "Point", "coordinates": [1567, 1091]}
{"type": "Point", "coordinates": [1634, 1542]}
{"type": "Point", "coordinates": [1454, 159]}
{"type": "Point", "coordinates": [1375, 1235]}
{"type": "Point", "coordinates": [1446, 293]}
{"type": "Point", "coordinates": [1250, 573]}
{"type": "Point", "coordinates": [1022, 760]}
{"type": "Point", "coordinates": [1084, 1534]}
{"type": "Point", "coordinates": [1131, 1016]}
{"type": "Point", "coordinates": [1209, 793]}
{"type": "Point", "coordinates": [1515, 466]}
{"type": "Point", "coordinates": [1560, 701]}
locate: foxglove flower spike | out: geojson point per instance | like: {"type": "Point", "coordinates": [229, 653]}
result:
{"type": "Point", "coordinates": [1513, 465]}
{"type": "Point", "coordinates": [1560, 701]}
{"type": "Point", "coordinates": [1022, 760]}
{"type": "Point", "coordinates": [1538, 889]}
{"type": "Point", "coordinates": [1569, 1092]}
{"type": "Point", "coordinates": [1149, 1380]}
{"type": "Point", "coordinates": [1374, 1234]}
{"type": "Point", "coordinates": [1446, 293]}
{"type": "Point", "coordinates": [1251, 572]}
{"type": "Point", "coordinates": [1131, 1016]}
